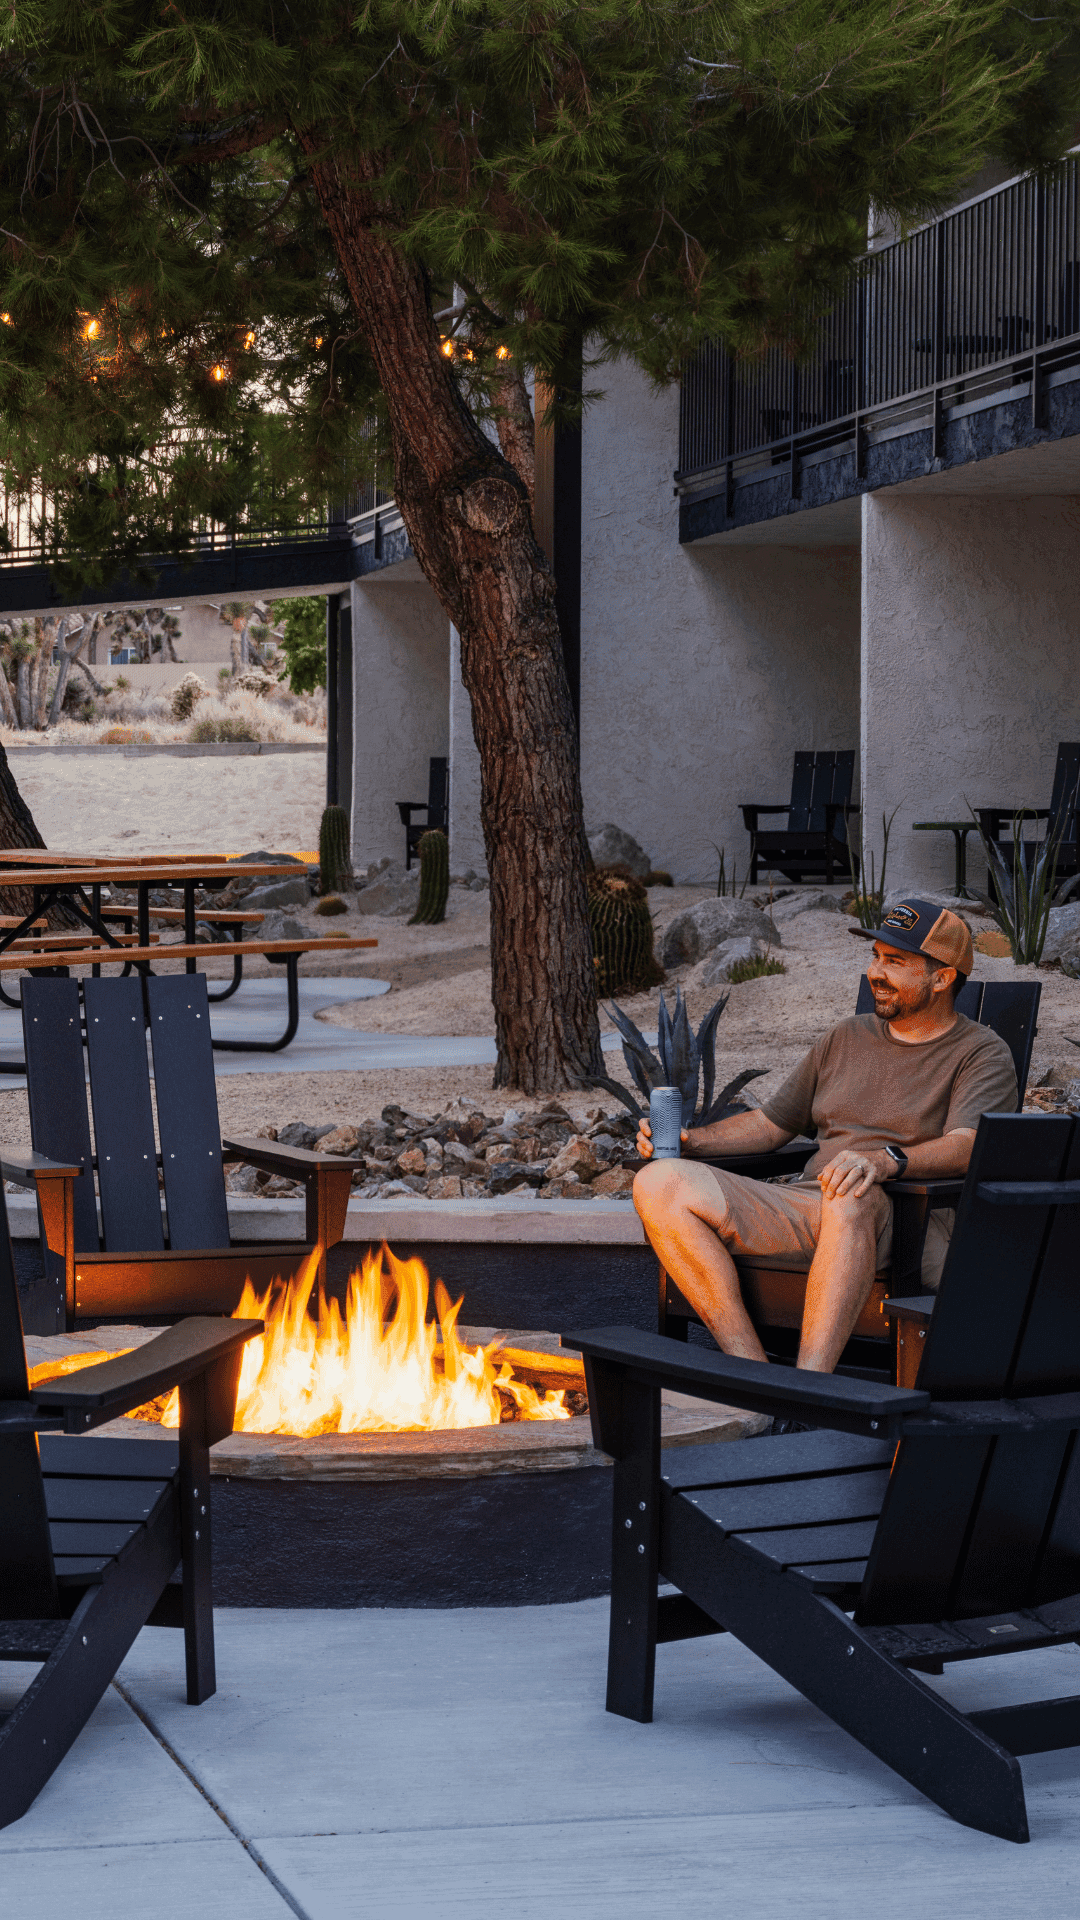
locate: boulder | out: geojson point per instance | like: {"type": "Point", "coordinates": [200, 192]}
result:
{"type": "Point", "coordinates": [280, 893]}
{"type": "Point", "coordinates": [297, 1134]}
{"type": "Point", "coordinates": [1062, 932]}
{"type": "Point", "coordinates": [340, 1140]}
{"type": "Point", "coordinates": [281, 926]}
{"type": "Point", "coordinates": [812, 900]}
{"type": "Point", "coordinates": [718, 966]}
{"type": "Point", "coordinates": [394, 891]}
{"type": "Point", "coordinates": [611, 847]}
{"type": "Point", "coordinates": [1070, 963]}
{"type": "Point", "coordinates": [710, 924]}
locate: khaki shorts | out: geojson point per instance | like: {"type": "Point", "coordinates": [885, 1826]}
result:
{"type": "Point", "coordinates": [783, 1220]}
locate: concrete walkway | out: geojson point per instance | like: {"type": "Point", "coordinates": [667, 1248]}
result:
{"type": "Point", "coordinates": [442, 1766]}
{"type": "Point", "coordinates": [259, 1011]}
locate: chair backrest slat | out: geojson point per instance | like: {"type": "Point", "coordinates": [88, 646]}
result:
{"type": "Point", "coordinates": [56, 1089]}
{"type": "Point", "coordinates": [187, 1110]}
{"type": "Point", "coordinates": [995, 1519]}
{"type": "Point", "coordinates": [821, 791]}
{"type": "Point", "coordinates": [27, 1572]}
{"type": "Point", "coordinates": [123, 1116]}
{"type": "Point", "coordinates": [802, 786]}
{"type": "Point", "coordinates": [1066, 779]}
{"type": "Point", "coordinates": [843, 781]}
{"type": "Point", "coordinates": [438, 779]}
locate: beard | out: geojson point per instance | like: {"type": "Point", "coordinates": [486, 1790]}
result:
{"type": "Point", "coordinates": [892, 1002]}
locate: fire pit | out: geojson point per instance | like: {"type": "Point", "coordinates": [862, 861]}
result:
{"type": "Point", "coordinates": [383, 1458]}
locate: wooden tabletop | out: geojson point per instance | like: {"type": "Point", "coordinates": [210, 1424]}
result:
{"type": "Point", "coordinates": [13, 960]}
{"type": "Point", "coordinates": [165, 873]}
{"type": "Point", "coordinates": [50, 857]}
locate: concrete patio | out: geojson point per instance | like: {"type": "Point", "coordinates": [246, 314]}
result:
{"type": "Point", "coordinates": [436, 1765]}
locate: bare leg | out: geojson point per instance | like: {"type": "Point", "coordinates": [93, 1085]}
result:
{"type": "Point", "coordinates": [683, 1211]}
{"type": "Point", "coordinates": [841, 1275]}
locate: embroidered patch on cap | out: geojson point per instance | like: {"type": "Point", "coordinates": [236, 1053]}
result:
{"type": "Point", "coordinates": [904, 917]}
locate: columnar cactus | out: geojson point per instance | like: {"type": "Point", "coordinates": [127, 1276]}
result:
{"type": "Point", "coordinates": [334, 870]}
{"type": "Point", "coordinates": [434, 879]}
{"type": "Point", "coordinates": [622, 932]}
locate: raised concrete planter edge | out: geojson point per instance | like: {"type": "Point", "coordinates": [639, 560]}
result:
{"type": "Point", "coordinates": [184, 749]}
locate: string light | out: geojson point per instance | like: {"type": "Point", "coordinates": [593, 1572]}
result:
{"type": "Point", "coordinates": [218, 372]}
{"type": "Point", "coordinates": [502, 353]}
{"type": "Point", "coordinates": [91, 329]}
{"type": "Point", "coordinates": [7, 319]}
{"type": "Point", "coordinates": [249, 340]}
{"type": "Point", "coordinates": [447, 349]}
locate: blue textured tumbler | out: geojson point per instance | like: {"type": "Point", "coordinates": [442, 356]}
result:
{"type": "Point", "coordinates": [665, 1119]}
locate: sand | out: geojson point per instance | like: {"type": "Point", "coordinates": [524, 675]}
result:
{"type": "Point", "coordinates": [111, 801]}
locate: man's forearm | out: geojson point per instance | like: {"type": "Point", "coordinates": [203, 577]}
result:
{"type": "Point", "coordinates": [944, 1159]}
{"type": "Point", "coordinates": [748, 1132]}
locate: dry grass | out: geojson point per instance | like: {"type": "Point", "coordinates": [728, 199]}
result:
{"type": "Point", "coordinates": [127, 718]}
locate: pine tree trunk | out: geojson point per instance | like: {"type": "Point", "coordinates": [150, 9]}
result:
{"type": "Point", "coordinates": [17, 829]}
{"type": "Point", "coordinates": [468, 518]}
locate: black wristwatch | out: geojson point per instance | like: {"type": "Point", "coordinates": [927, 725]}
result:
{"type": "Point", "coordinates": [898, 1154]}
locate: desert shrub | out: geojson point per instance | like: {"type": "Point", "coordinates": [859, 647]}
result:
{"type": "Point", "coordinates": [187, 695]}
{"type": "Point", "coordinates": [127, 737]}
{"type": "Point", "coordinates": [754, 969]}
{"type": "Point", "coordinates": [222, 728]}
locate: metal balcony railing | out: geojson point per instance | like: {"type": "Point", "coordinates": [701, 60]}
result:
{"type": "Point", "coordinates": [981, 300]}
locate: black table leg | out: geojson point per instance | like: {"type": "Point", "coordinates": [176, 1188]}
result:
{"type": "Point", "coordinates": [292, 961]}
{"type": "Point", "coordinates": [189, 921]}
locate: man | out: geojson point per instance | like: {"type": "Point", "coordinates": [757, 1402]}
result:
{"type": "Point", "coordinates": [893, 1092]}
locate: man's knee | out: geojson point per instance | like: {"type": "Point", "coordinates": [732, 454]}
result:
{"type": "Point", "coordinates": [866, 1211]}
{"type": "Point", "coordinates": [666, 1187]}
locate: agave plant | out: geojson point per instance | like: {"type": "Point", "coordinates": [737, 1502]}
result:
{"type": "Point", "coordinates": [682, 1059]}
{"type": "Point", "coordinates": [1025, 885]}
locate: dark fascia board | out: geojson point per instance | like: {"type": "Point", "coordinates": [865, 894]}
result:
{"type": "Point", "coordinates": [974, 435]}
{"type": "Point", "coordinates": [311, 566]}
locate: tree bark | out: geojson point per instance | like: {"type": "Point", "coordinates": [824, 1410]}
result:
{"type": "Point", "coordinates": [516, 427]}
{"type": "Point", "coordinates": [17, 829]}
{"type": "Point", "coordinates": [468, 518]}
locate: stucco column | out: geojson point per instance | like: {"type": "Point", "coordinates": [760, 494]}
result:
{"type": "Point", "coordinates": [401, 697]}
{"type": "Point", "coordinates": [466, 836]}
{"type": "Point", "coordinates": [704, 668]}
{"type": "Point", "coordinates": [969, 656]}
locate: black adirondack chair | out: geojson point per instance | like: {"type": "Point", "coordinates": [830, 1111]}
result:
{"type": "Point", "coordinates": [92, 1531]}
{"type": "Point", "coordinates": [933, 1524]}
{"type": "Point", "coordinates": [814, 842]}
{"type": "Point", "coordinates": [129, 1268]}
{"type": "Point", "coordinates": [774, 1286]}
{"type": "Point", "coordinates": [1063, 812]}
{"type": "Point", "coordinates": [436, 811]}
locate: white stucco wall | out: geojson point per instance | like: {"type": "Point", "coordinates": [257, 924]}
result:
{"type": "Point", "coordinates": [466, 836]}
{"type": "Point", "coordinates": [401, 697]}
{"type": "Point", "coordinates": [969, 662]}
{"type": "Point", "coordinates": [703, 668]}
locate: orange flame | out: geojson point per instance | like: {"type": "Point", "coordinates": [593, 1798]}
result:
{"type": "Point", "coordinates": [363, 1374]}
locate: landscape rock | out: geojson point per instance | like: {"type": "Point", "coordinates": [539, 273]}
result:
{"type": "Point", "coordinates": [296, 1134]}
{"type": "Point", "coordinates": [713, 923]}
{"type": "Point", "coordinates": [610, 846]}
{"type": "Point", "coordinates": [617, 1180]}
{"type": "Point", "coordinates": [718, 966]}
{"type": "Point", "coordinates": [400, 1189]}
{"type": "Point", "coordinates": [280, 893]}
{"type": "Point", "coordinates": [341, 1140]}
{"type": "Point", "coordinates": [578, 1156]}
{"type": "Point", "coordinates": [448, 1188]}
{"type": "Point", "coordinates": [1062, 933]}
{"type": "Point", "coordinates": [810, 900]}
{"type": "Point", "coordinates": [412, 1161]}
{"type": "Point", "coordinates": [281, 926]}
{"type": "Point", "coordinates": [967, 909]}
{"type": "Point", "coordinates": [1070, 962]}
{"type": "Point", "coordinates": [394, 891]}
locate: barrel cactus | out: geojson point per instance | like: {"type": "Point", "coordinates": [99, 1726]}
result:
{"type": "Point", "coordinates": [434, 879]}
{"type": "Point", "coordinates": [682, 1059]}
{"type": "Point", "coordinates": [334, 867]}
{"type": "Point", "coordinates": [622, 932]}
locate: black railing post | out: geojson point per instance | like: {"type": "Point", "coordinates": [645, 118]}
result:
{"type": "Point", "coordinates": [727, 436]}
{"type": "Point", "coordinates": [938, 242]}
{"type": "Point", "coordinates": [1038, 301]}
{"type": "Point", "coordinates": [333, 601]}
{"type": "Point", "coordinates": [860, 377]}
{"type": "Point", "coordinates": [796, 478]}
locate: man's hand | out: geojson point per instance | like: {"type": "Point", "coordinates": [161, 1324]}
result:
{"type": "Point", "coordinates": [852, 1174]}
{"type": "Point", "coordinates": [643, 1143]}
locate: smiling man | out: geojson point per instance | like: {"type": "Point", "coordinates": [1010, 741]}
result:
{"type": "Point", "coordinates": [893, 1092]}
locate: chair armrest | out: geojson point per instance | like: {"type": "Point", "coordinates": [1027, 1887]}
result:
{"type": "Point", "coordinates": [614, 1355]}
{"type": "Point", "coordinates": [294, 1162]}
{"type": "Point", "coordinates": [406, 809]}
{"type": "Point", "coordinates": [940, 1193]}
{"type": "Point", "coordinates": [912, 1306]}
{"type": "Point", "coordinates": [750, 813]}
{"type": "Point", "coordinates": [27, 1168]}
{"type": "Point", "coordinates": [760, 1166]}
{"type": "Point", "coordinates": [96, 1394]}
{"type": "Point", "coordinates": [833, 807]}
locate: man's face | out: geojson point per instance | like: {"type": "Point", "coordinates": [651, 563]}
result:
{"type": "Point", "coordinates": [902, 983]}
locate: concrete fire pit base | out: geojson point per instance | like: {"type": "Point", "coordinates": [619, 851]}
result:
{"type": "Point", "coordinates": [517, 1515]}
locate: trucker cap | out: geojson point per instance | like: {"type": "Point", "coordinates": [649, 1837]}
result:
{"type": "Point", "coordinates": [919, 927]}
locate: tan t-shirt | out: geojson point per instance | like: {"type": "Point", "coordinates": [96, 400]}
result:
{"type": "Point", "coordinates": [861, 1089]}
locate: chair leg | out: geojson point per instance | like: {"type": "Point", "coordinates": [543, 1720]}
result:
{"type": "Point", "coordinates": [195, 1543]}
{"type": "Point", "coordinates": [635, 1556]}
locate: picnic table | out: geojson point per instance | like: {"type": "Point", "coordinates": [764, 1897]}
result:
{"type": "Point", "coordinates": [79, 884]}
